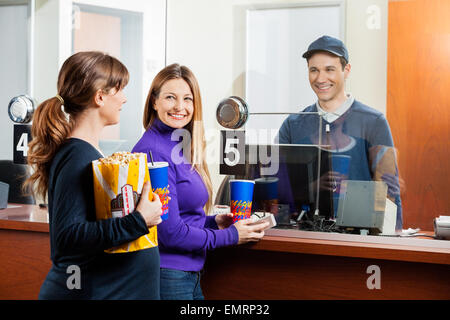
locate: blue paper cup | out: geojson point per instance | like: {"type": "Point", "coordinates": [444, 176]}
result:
{"type": "Point", "coordinates": [160, 184]}
{"type": "Point", "coordinates": [341, 165]}
{"type": "Point", "coordinates": [241, 196]}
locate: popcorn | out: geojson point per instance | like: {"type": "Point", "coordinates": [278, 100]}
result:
{"type": "Point", "coordinates": [122, 158]}
{"type": "Point", "coordinates": [118, 183]}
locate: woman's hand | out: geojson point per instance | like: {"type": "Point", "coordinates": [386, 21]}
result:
{"type": "Point", "coordinates": [150, 210]}
{"type": "Point", "coordinates": [249, 233]}
{"type": "Point", "coordinates": [224, 220]}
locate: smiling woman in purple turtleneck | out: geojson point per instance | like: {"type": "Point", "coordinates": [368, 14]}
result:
{"type": "Point", "coordinates": [174, 104]}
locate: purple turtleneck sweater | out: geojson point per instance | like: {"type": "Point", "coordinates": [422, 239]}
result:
{"type": "Point", "coordinates": [188, 233]}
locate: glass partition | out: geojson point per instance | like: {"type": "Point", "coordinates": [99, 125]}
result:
{"type": "Point", "coordinates": [255, 52]}
{"type": "Point", "coordinates": [15, 63]}
{"type": "Point", "coordinates": [122, 37]}
{"type": "Point", "coordinates": [321, 174]}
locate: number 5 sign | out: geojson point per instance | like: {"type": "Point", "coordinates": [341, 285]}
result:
{"type": "Point", "coordinates": [232, 157]}
{"type": "Point", "coordinates": [22, 136]}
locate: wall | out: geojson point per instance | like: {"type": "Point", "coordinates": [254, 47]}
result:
{"type": "Point", "coordinates": [51, 46]}
{"type": "Point", "coordinates": [14, 68]}
{"type": "Point", "coordinates": [418, 105]}
{"type": "Point", "coordinates": [209, 37]}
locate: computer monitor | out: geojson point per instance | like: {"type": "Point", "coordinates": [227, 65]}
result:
{"type": "Point", "coordinates": [299, 175]}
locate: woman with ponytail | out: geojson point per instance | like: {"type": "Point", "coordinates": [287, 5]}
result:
{"type": "Point", "coordinates": [66, 131]}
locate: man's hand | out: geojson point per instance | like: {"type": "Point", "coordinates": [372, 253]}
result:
{"type": "Point", "coordinates": [394, 183]}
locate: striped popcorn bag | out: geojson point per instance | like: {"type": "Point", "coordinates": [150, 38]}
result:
{"type": "Point", "coordinates": [118, 183]}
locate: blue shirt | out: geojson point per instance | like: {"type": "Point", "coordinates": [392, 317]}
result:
{"type": "Point", "coordinates": [361, 132]}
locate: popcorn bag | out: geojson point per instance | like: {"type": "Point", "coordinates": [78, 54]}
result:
{"type": "Point", "coordinates": [118, 183]}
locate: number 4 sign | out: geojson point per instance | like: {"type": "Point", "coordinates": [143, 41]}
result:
{"type": "Point", "coordinates": [22, 136]}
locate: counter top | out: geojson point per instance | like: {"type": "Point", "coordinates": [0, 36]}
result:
{"type": "Point", "coordinates": [24, 217]}
{"type": "Point", "coordinates": [33, 218]}
{"type": "Point", "coordinates": [348, 245]}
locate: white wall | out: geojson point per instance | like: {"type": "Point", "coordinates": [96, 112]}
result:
{"type": "Point", "coordinates": [13, 68]}
{"type": "Point", "coordinates": [367, 46]}
{"type": "Point", "coordinates": [208, 36]}
{"type": "Point", "coordinates": [46, 48]}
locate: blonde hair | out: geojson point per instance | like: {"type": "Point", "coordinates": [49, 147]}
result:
{"type": "Point", "coordinates": [195, 126]}
{"type": "Point", "coordinates": [80, 77]}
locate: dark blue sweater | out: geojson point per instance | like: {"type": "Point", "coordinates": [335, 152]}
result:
{"type": "Point", "coordinates": [77, 239]}
{"type": "Point", "coordinates": [362, 133]}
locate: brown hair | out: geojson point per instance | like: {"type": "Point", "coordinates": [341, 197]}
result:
{"type": "Point", "coordinates": [80, 77]}
{"type": "Point", "coordinates": [195, 127]}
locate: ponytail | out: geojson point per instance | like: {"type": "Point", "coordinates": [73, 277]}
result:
{"type": "Point", "coordinates": [49, 130]}
{"type": "Point", "coordinates": [80, 77]}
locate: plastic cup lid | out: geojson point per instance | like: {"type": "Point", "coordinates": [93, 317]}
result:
{"type": "Point", "coordinates": [266, 180]}
{"type": "Point", "coordinates": [241, 180]}
{"type": "Point", "coordinates": [158, 164]}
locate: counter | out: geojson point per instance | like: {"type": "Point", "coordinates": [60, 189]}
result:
{"type": "Point", "coordinates": [24, 251]}
{"type": "Point", "coordinates": [285, 264]}
{"type": "Point", "coordinates": [292, 264]}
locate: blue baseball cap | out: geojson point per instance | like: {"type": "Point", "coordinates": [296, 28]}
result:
{"type": "Point", "coordinates": [329, 44]}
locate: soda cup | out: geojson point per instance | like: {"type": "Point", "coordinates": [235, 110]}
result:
{"type": "Point", "coordinates": [266, 193]}
{"type": "Point", "coordinates": [160, 184]}
{"type": "Point", "coordinates": [241, 196]}
{"type": "Point", "coordinates": [341, 166]}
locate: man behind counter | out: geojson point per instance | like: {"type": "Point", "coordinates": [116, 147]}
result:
{"type": "Point", "coordinates": [350, 127]}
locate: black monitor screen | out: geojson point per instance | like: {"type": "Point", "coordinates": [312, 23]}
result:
{"type": "Point", "coordinates": [290, 173]}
